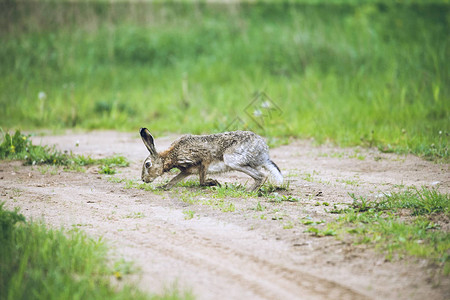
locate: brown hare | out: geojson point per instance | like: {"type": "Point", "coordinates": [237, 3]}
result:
{"type": "Point", "coordinates": [242, 151]}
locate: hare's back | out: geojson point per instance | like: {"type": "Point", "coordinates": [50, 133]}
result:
{"type": "Point", "coordinates": [216, 145]}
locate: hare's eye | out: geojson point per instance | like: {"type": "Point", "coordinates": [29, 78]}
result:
{"type": "Point", "coordinates": [148, 164]}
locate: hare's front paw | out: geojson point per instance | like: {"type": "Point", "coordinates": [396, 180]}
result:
{"type": "Point", "coordinates": [164, 187]}
{"type": "Point", "coordinates": [211, 182]}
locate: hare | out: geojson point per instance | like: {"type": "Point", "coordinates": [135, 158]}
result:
{"type": "Point", "coordinates": [242, 151]}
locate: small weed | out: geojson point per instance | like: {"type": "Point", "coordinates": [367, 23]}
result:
{"type": "Point", "coordinates": [231, 190]}
{"type": "Point", "coordinates": [275, 197]}
{"type": "Point", "coordinates": [309, 221]}
{"type": "Point", "coordinates": [277, 216]}
{"type": "Point", "coordinates": [135, 215]}
{"type": "Point", "coordinates": [337, 210]}
{"type": "Point", "coordinates": [348, 182]}
{"type": "Point", "coordinates": [133, 184]}
{"type": "Point", "coordinates": [191, 197]}
{"type": "Point", "coordinates": [114, 161]}
{"type": "Point", "coordinates": [52, 170]}
{"type": "Point", "coordinates": [129, 184]}
{"type": "Point", "coordinates": [227, 207]}
{"type": "Point", "coordinates": [308, 177]}
{"type": "Point", "coordinates": [269, 188]}
{"type": "Point", "coordinates": [107, 170]}
{"type": "Point", "coordinates": [123, 267]}
{"type": "Point", "coordinates": [361, 204]}
{"type": "Point", "coordinates": [198, 197]}
{"type": "Point", "coordinates": [357, 155]}
{"type": "Point", "coordinates": [188, 214]}
{"type": "Point", "coordinates": [189, 183]}
{"type": "Point", "coordinates": [148, 187]}
{"type": "Point", "coordinates": [337, 154]}
{"type": "Point", "coordinates": [260, 207]}
{"type": "Point", "coordinates": [321, 232]}
{"type": "Point", "coordinates": [115, 179]}
{"type": "Point", "coordinates": [288, 225]}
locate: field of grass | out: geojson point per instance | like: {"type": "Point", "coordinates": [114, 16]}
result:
{"type": "Point", "coordinates": [373, 74]}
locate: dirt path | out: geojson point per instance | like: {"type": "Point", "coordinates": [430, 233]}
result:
{"type": "Point", "coordinates": [243, 254]}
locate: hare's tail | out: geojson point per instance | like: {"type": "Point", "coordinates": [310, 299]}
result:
{"type": "Point", "coordinates": [274, 171]}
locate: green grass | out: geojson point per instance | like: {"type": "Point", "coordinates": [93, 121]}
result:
{"type": "Point", "coordinates": [205, 197]}
{"type": "Point", "coordinates": [374, 74]}
{"type": "Point", "coordinates": [321, 232]}
{"type": "Point", "coordinates": [19, 147]}
{"type": "Point", "coordinates": [188, 214]}
{"type": "Point", "coordinates": [422, 201]}
{"type": "Point", "coordinates": [404, 223]}
{"type": "Point", "coordinates": [41, 263]}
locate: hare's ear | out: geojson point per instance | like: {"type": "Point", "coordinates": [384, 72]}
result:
{"type": "Point", "coordinates": [147, 138]}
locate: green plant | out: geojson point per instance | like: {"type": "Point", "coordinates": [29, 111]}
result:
{"type": "Point", "coordinates": [321, 232]}
{"type": "Point", "coordinates": [115, 179]}
{"type": "Point", "coordinates": [309, 221]}
{"type": "Point", "coordinates": [135, 215]}
{"type": "Point", "coordinates": [259, 207]}
{"type": "Point", "coordinates": [231, 190]}
{"type": "Point", "coordinates": [226, 206]}
{"type": "Point", "coordinates": [361, 204]}
{"type": "Point", "coordinates": [275, 197]}
{"type": "Point", "coordinates": [188, 214]}
{"type": "Point", "coordinates": [123, 267]}
{"type": "Point", "coordinates": [288, 225]}
{"type": "Point", "coordinates": [189, 183]}
{"type": "Point", "coordinates": [107, 170]}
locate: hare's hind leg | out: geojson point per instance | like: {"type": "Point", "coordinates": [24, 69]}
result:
{"type": "Point", "coordinates": [257, 175]}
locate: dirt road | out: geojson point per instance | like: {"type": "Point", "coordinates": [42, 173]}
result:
{"type": "Point", "coordinates": [247, 253]}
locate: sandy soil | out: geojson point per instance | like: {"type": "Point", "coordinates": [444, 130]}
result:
{"type": "Point", "coordinates": [245, 254]}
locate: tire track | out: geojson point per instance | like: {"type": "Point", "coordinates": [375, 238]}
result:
{"type": "Point", "coordinates": [266, 279]}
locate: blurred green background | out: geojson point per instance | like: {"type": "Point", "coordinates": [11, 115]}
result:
{"type": "Point", "coordinates": [372, 73]}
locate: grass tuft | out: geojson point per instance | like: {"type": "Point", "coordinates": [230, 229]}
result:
{"type": "Point", "coordinates": [20, 147]}
{"type": "Point", "coordinates": [420, 202]}
{"type": "Point", "coordinates": [384, 224]}
{"type": "Point", "coordinates": [41, 263]}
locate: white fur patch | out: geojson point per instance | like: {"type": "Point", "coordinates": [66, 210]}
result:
{"type": "Point", "coordinates": [218, 167]}
{"type": "Point", "coordinates": [275, 174]}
